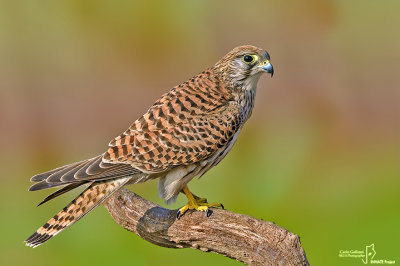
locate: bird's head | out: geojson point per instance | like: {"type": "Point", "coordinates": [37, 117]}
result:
{"type": "Point", "coordinates": [244, 65]}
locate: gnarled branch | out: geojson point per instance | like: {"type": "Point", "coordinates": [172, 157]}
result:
{"type": "Point", "coordinates": [237, 236]}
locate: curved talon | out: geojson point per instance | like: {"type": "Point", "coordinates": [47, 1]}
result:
{"type": "Point", "coordinates": [196, 203]}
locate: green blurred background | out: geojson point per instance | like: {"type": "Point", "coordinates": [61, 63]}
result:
{"type": "Point", "coordinates": [320, 155]}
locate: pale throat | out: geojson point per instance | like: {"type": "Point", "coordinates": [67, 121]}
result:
{"type": "Point", "coordinates": [251, 82]}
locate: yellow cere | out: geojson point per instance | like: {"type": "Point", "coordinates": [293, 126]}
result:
{"type": "Point", "coordinates": [266, 62]}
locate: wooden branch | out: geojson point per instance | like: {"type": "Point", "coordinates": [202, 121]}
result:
{"type": "Point", "coordinates": [237, 236]}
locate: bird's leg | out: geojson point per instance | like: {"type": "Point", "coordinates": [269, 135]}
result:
{"type": "Point", "coordinates": [196, 203]}
{"type": "Point", "coordinates": [199, 200]}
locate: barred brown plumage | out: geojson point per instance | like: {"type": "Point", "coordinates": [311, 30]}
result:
{"type": "Point", "coordinates": [185, 133]}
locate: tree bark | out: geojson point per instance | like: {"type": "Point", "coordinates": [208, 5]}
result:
{"type": "Point", "coordinates": [234, 235]}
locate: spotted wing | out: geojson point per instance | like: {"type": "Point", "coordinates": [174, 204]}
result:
{"type": "Point", "coordinates": [187, 125]}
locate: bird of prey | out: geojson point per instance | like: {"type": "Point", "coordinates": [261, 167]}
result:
{"type": "Point", "coordinates": [185, 133]}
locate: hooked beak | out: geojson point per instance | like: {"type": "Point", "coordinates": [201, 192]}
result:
{"type": "Point", "coordinates": [267, 67]}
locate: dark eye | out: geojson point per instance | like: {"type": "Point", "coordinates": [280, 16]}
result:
{"type": "Point", "coordinates": [249, 59]}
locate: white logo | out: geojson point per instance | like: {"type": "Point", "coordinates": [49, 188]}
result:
{"type": "Point", "coordinates": [367, 256]}
{"type": "Point", "coordinates": [369, 253]}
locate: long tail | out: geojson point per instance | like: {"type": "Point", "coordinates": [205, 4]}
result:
{"type": "Point", "coordinates": [90, 198]}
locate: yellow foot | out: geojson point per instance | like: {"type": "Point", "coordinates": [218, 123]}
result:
{"type": "Point", "coordinates": [196, 203]}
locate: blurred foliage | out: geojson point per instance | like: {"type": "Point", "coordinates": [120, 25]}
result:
{"type": "Point", "coordinates": [320, 156]}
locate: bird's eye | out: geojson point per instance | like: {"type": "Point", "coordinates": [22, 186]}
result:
{"type": "Point", "coordinates": [249, 59]}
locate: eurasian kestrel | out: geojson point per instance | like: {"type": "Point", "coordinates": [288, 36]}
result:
{"type": "Point", "coordinates": [185, 133]}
